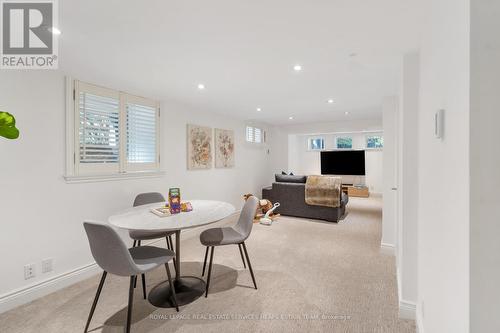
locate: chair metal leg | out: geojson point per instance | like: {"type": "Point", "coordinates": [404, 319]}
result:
{"type": "Point", "coordinates": [210, 269]}
{"type": "Point", "coordinates": [241, 253]}
{"type": "Point", "coordinates": [249, 265]}
{"type": "Point", "coordinates": [96, 298]}
{"type": "Point", "coordinates": [205, 262]}
{"type": "Point", "coordinates": [143, 285]}
{"type": "Point", "coordinates": [130, 302]}
{"type": "Point", "coordinates": [171, 286]}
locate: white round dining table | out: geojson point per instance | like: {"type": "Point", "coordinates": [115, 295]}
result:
{"type": "Point", "coordinates": [187, 288]}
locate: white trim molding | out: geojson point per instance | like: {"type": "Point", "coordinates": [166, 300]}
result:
{"type": "Point", "coordinates": [110, 177]}
{"type": "Point", "coordinates": [24, 295]}
{"type": "Point", "coordinates": [407, 310]}
{"type": "Point", "coordinates": [388, 249]}
{"type": "Point", "coordinates": [419, 321]}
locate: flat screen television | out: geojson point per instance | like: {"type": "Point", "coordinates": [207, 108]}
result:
{"type": "Point", "coordinates": [343, 162]}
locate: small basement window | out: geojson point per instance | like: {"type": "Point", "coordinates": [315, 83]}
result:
{"type": "Point", "coordinates": [254, 134]}
{"type": "Point", "coordinates": [374, 141]}
{"type": "Point", "coordinates": [344, 142]}
{"type": "Point", "coordinates": [316, 143]}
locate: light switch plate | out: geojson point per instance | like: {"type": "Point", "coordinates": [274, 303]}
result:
{"type": "Point", "coordinates": [47, 265]}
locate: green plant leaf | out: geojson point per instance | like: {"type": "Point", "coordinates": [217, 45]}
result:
{"type": "Point", "coordinates": [8, 126]}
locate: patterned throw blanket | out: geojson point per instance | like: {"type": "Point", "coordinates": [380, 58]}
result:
{"type": "Point", "coordinates": [323, 191]}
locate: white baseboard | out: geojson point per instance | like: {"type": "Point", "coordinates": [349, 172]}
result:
{"type": "Point", "coordinates": [420, 322]}
{"type": "Point", "coordinates": [388, 249]}
{"type": "Point", "coordinates": [407, 310]}
{"type": "Point", "coordinates": [32, 292]}
{"type": "Point", "coordinates": [40, 289]}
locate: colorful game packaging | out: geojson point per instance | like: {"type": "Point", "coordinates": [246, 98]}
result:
{"type": "Point", "coordinates": [174, 200]}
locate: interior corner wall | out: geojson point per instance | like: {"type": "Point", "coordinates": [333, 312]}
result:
{"type": "Point", "coordinates": [390, 109]}
{"type": "Point", "coordinates": [443, 213]}
{"type": "Point", "coordinates": [408, 180]}
{"type": "Point", "coordinates": [279, 154]}
{"type": "Point", "coordinates": [484, 167]}
{"type": "Point", "coordinates": [42, 215]}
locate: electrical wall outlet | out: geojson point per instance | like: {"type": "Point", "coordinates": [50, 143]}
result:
{"type": "Point", "coordinates": [29, 271]}
{"type": "Point", "coordinates": [47, 265]}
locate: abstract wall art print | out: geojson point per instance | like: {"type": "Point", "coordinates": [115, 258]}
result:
{"type": "Point", "coordinates": [199, 147]}
{"type": "Point", "coordinates": [224, 148]}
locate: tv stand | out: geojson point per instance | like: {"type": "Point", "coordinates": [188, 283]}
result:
{"type": "Point", "coordinates": [356, 191]}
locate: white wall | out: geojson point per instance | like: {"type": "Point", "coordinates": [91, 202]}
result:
{"type": "Point", "coordinates": [484, 167]}
{"type": "Point", "coordinates": [42, 215]}
{"type": "Point", "coordinates": [408, 186]}
{"type": "Point", "coordinates": [305, 162]}
{"type": "Point", "coordinates": [278, 150]}
{"type": "Point", "coordinates": [347, 125]}
{"type": "Point", "coordinates": [390, 109]}
{"type": "Point", "coordinates": [443, 215]}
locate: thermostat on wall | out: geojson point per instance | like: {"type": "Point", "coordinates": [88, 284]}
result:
{"type": "Point", "coordinates": [438, 124]}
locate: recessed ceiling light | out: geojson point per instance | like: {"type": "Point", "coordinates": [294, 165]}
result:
{"type": "Point", "coordinates": [297, 68]}
{"type": "Point", "coordinates": [55, 31]}
{"type": "Point", "coordinates": [346, 113]}
{"type": "Point", "coordinates": [290, 118]}
{"type": "Point", "coordinates": [201, 86]}
{"type": "Point", "coordinates": [330, 101]}
{"type": "Point", "coordinates": [259, 109]}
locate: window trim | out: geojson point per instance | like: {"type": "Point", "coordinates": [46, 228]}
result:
{"type": "Point", "coordinates": [311, 138]}
{"type": "Point", "coordinates": [343, 136]}
{"type": "Point", "coordinates": [92, 173]}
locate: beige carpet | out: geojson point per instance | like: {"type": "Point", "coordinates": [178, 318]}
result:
{"type": "Point", "coordinates": [312, 277]}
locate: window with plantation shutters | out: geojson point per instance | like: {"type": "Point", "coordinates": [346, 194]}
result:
{"type": "Point", "coordinates": [254, 134]}
{"type": "Point", "coordinates": [114, 134]}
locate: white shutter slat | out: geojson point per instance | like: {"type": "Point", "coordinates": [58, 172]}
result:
{"type": "Point", "coordinates": [99, 128]}
{"type": "Point", "coordinates": [141, 133]}
{"type": "Point", "coordinates": [250, 134]}
{"type": "Point", "coordinates": [257, 135]}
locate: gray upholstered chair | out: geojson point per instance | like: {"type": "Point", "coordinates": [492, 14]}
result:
{"type": "Point", "coordinates": [113, 257]}
{"type": "Point", "coordinates": [235, 235]}
{"type": "Point", "coordinates": [138, 236]}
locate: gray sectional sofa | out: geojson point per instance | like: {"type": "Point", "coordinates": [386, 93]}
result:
{"type": "Point", "coordinates": [289, 191]}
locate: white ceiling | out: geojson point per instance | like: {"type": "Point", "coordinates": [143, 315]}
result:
{"type": "Point", "coordinates": [244, 52]}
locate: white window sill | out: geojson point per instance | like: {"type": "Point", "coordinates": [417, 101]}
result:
{"type": "Point", "coordinates": [111, 177]}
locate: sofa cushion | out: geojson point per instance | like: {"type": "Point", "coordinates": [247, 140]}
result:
{"type": "Point", "coordinates": [290, 179]}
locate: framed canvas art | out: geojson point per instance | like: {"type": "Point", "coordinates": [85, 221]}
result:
{"type": "Point", "coordinates": [224, 148]}
{"type": "Point", "coordinates": [199, 147]}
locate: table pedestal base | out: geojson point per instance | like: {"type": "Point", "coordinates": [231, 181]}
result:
{"type": "Point", "coordinates": [187, 289]}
